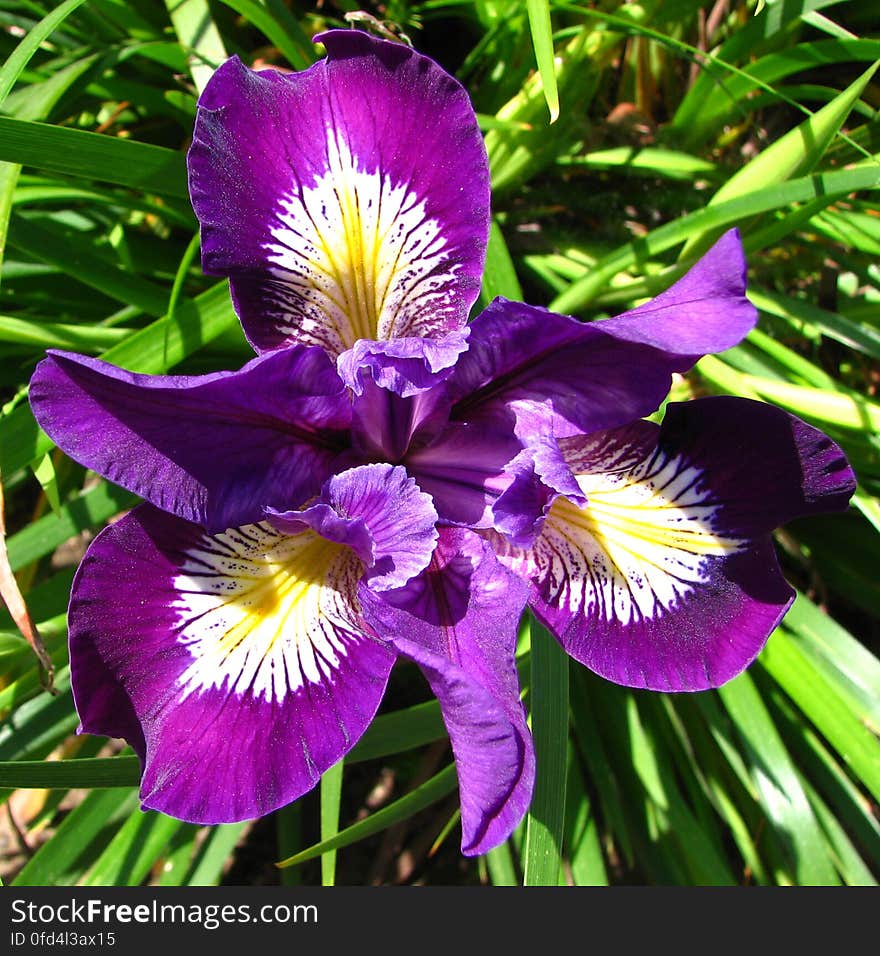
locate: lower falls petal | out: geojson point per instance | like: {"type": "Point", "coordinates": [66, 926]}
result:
{"type": "Point", "coordinates": [667, 577]}
{"type": "Point", "coordinates": [241, 657]}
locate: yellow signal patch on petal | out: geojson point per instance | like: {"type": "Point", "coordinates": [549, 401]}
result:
{"type": "Point", "coordinates": [642, 541]}
{"type": "Point", "coordinates": [357, 257]}
{"type": "Point", "coordinates": [263, 612]}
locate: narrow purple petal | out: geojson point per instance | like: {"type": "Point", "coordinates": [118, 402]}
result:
{"type": "Point", "coordinates": [458, 621]}
{"type": "Point", "coordinates": [346, 202]}
{"type": "Point", "coordinates": [214, 449]}
{"type": "Point", "coordinates": [667, 578]}
{"type": "Point", "coordinates": [600, 375]}
{"type": "Point", "coordinates": [705, 311]}
{"type": "Point", "coordinates": [239, 662]}
{"type": "Point", "coordinates": [379, 512]}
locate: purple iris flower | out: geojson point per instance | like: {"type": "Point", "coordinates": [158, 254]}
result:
{"type": "Point", "coordinates": [385, 481]}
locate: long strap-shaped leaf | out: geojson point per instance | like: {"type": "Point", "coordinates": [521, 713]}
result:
{"type": "Point", "coordinates": [542, 40]}
{"type": "Point", "coordinates": [29, 45]}
{"type": "Point", "coordinates": [794, 154]}
{"type": "Point", "coordinates": [75, 152]}
{"type": "Point", "coordinates": [549, 706]}
{"type": "Point", "coordinates": [840, 182]}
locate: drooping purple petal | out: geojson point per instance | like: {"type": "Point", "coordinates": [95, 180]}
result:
{"type": "Point", "coordinates": [603, 374]}
{"type": "Point", "coordinates": [238, 661]}
{"type": "Point", "coordinates": [346, 202]}
{"type": "Point", "coordinates": [458, 621]}
{"type": "Point", "coordinates": [379, 512]}
{"type": "Point", "coordinates": [214, 449]}
{"type": "Point", "coordinates": [667, 578]}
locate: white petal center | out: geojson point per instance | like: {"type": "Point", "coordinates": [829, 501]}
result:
{"type": "Point", "coordinates": [263, 612]}
{"type": "Point", "coordinates": [646, 537]}
{"type": "Point", "coordinates": [357, 257]}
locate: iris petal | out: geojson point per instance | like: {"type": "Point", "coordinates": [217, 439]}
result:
{"type": "Point", "coordinates": [667, 578]}
{"type": "Point", "coordinates": [567, 377]}
{"type": "Point", "coordinates": [346, 202]}
{"type": "Point", "coordinates": [214, 449]}
{"type": "Point", "coordinates": [464, 471]}
{"type": "Point", "coordinates": [379, 512]}
{"type": "Point", "coordinates": [458, 621]}
{"type": "Point", "coordinates": [243, 650]}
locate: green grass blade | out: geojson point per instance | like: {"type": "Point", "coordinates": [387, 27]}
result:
{"type": "Point", "coordinates": [199, 36]}
{"type": "Point", "coordinates": [646, 161]}
{"type": "Point", "coordinates": [283, 30]}
{"type": "Point", "coordinates": [548, 695]}
{"type": "Point", "coordinates": [794, 154]}
{"type": "Point", "coordinates": [429, 792]}
{"type": "Point", "coordinates": [19, 59]}
{"type": "Point", "coordinates": [93, 773]}
{"type": "Point", "coordinates": [597, 763]}
{"type": "Point", "coordinates": [838, 721]}
{"type": "Point", "coordinates": [215, 853]}
{"type": "Point", "coordinates": [400, 731]}
{"type": "Point", "coordinates": [803, 314]}
{"type": "Point", "coordinates": [582, 844]}
{"type": "Point", "coordinates": [74, 152]}
{"type": "Point", "coordinates": [83, 831]}
{"type": "Point", "coordinates": [501, 865]}
{"type": "Point", "coordinates": [70, 255]}
{"type": "Point", "coordinates": [499, 273]}
{"type": "Point", "coordinates": [135, 849]}
{"type": "Point", "coordinates": [782, 795]}
{"type": "Point", "coordinates": [55, 335]}
{"type": "Point", "coordinates": [582, 292]}
{"type": "Point", "coordinates": [331, 795]}
{"type": "Point", "coordinates": [91, 510]}
{"type": "Point", "coordinates": [849, 863]}
{"type": "Point", "coordinates": [842, 653]}
{"type": "Point", "coordinates": [542, 40]}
